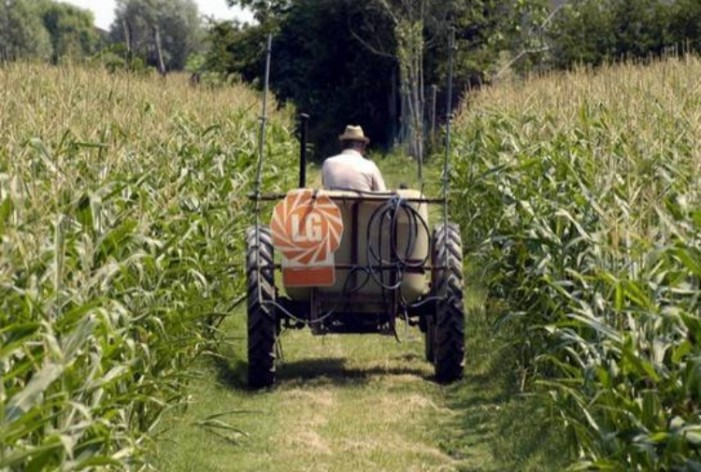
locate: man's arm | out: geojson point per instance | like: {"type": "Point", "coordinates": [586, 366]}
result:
{"type": "Point", "coordinates": [323, 175]}
{"type": "Point", "coordinates": [378, 183]}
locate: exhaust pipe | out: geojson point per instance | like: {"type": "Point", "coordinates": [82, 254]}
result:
{"type": "Point", "coordinates": [304, 128]}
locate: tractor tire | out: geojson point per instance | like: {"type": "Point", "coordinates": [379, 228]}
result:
{"type": "Point", "coordinates": [448, 340]}
{"type": "Point", "coordinates": [262, 323]}
{"type": "Point", "coordinates": [430, 339]}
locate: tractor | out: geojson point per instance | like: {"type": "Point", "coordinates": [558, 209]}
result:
{"type": "Point", "coordinates": [352, 262]}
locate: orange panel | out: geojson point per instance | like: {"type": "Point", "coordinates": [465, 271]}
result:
{"type": "Point", "coordinates": [309, 276]}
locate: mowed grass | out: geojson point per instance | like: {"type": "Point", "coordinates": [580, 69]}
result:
{"type": "Point", "coordinates": [359, 402]}
{"type": "Point", "coordinates": [341, 403]}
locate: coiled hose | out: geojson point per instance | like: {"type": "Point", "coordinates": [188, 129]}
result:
{"type": "Point", "coordinates": [389, 214]}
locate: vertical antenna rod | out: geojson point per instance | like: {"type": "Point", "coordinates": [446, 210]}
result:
{"type": "Point", "coordinates": [261, 155]}
{"type": "Point", "coordinates": [263, 123]}
{"type": "Point", "coordinates": [446, 162]}
{"type": "Point", "coordinates": [304, 125]}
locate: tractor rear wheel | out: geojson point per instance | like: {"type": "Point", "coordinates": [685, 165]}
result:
{"type": "Point", "coordinates": [430, 339]}
{"type": "Point", "coordinates": [447, 326]}
{"type": "Point", "coordinates": [262, 324]}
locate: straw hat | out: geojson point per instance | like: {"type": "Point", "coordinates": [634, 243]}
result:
{"type": "Point", "coordinates": [353, 133]}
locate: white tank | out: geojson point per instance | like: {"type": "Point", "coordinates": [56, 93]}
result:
{"type": "Point", "coordinates": [356, 249]}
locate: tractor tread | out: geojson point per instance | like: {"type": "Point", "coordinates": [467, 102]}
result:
{"type": "Point", "coordinates": [448, 343]}
{"type": "Point", "coordinates": [262, 324]}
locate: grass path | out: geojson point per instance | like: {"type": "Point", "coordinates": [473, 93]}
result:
{"type": "Point", "coordinates": [346, 403]}
{"type": "Point", "coordinates": [352, 403]}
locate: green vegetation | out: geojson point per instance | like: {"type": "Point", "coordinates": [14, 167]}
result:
{"type": "Point", "coordinates": [379, 63]}
{"type": "Point", "coordinates": [162, 33]}
{"type": "Point", "coordinates": [375, 62]}
{"type": "Point", "coordinates": [363, 402]}
{"type": "Point", "coordinates": [371, 62]}
{"type": "Point", "coordinates": [145, 34]}
{"type": "Point", "coordinates": [122, 213]}
{"type": "Point", "coordinates": [341, 403]}
{"type": "Point", "coordinates": [46, 30]}
{"type": "Point", "coordinates": [122, 208]}
{"type": "Point", "coordinates": [579, 195]}
{"type": "Point", "coordinates": [595, 32]}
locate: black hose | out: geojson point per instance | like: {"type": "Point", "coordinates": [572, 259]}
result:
{"type": "Point", "coordinates": [399, 260]}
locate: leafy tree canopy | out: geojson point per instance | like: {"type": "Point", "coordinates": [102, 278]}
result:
{"type": "Point", "coordinates": [158, 30]}
{"type": "Point", "coordinates": [22, 32]}
{"type": "Point", "coordinates": [72, 31]}
{"type": "Point", "coordinates": [44, 29]}
{"type": "Point", "coordinates": [597, 31]}
{"type": "Point", "coordinates": [344, 61]}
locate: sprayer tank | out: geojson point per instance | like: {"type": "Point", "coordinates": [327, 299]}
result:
{"type": "Point", "coordinates": [374, 235]}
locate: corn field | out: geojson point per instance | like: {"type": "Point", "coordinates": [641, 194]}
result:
{"type": "Point", "coordinates": [579, 195]}
{"type": "Point", "coordinates": [123, 203]}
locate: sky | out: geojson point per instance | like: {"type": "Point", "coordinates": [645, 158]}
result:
{"type": "Point", "coordinates": [104, 10]}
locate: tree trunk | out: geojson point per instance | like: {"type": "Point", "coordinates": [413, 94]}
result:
{"type": "Point", "coordinates": [410, 56]}
{"type": "Point", "coordinates": [127, 39]}
{"type": "Point", "coordinates": [159, 51]}
{"type": "Point", "coordinates": [393, 112]}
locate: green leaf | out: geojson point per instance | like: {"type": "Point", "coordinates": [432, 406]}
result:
{"type": "Point", "coordinates": [691, 258]}
{"type": "Point", "coordinates": [80, 335]}
{"type": "Point", "coordinates": [84, 213]}
{"type": "Point", "coordinates": [18, 457]}
{"type": "Point", "coordinates": [113, 374]}
{"type": "Point", "coordinates": [30, 396]}
{"type": "Point", "coordinates": [642, 367]}
{"type": "Point", "coordinates": [15, 335]}
{"type": "Point", "coordinates": [98, 461]}
{"type": "Point", "coordinates": [6, 209]}
{"type": "Point", "coordinates": [218, 424]}
{"type": "Point", "coordinates": [652, 409]}
{"type": "Point", "coordinates": [681, 351]}
{"type": "Point", "coordinates": [117, 238]}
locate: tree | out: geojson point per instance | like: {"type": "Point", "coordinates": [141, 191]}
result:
{"type": "Point", "coordinates": [164, 32]}
{"type": "Point", "coordinates": [329, 75]}
{"type": "Point", "coordinates": [369, 63]}
{"type": "Point", "coordinates": [408, 20]}
{"type": "Point", "coordinates": [318, 65]}
{"type": "Point", "coordinates": [420, 47]}
{"type": "Point", "coordinates": [22, 34]}
{"type": "Point", "coordinates": [685, 25]}
{"type": "Point", "coordinates": [264, 11]}
{"type": "Point", "coordinates": [597, 31]}
{"type": "Point", "coordinates": [233, 48]}
{"type": "Point", "coordinates": [71, 30]}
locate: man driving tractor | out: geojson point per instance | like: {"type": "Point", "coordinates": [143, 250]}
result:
{"type": "Point", "coordinates": [349, 170]}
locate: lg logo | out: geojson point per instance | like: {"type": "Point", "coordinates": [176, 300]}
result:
{"type": "Point", "coordinates": [306, 229]}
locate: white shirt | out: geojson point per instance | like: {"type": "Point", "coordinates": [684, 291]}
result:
{"type": "Point", "coordinates": [351, 171]}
